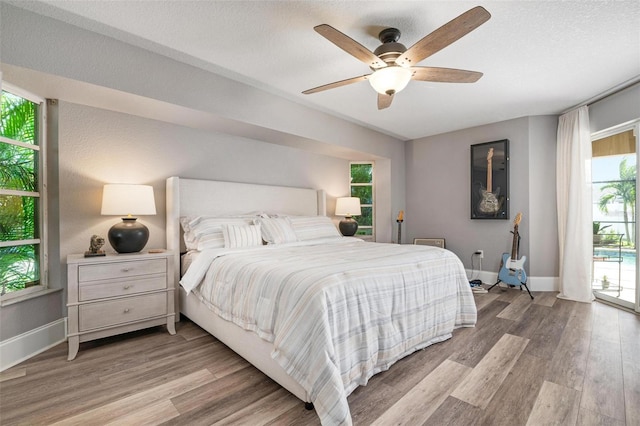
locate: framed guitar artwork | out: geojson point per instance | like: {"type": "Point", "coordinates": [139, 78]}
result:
{"type": "Point", "coordinates": [490, 180]}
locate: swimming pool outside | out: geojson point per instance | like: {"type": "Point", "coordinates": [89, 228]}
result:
{"type": "Point", "coordinates": [621, 277]}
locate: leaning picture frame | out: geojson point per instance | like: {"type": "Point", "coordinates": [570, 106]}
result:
{"type": "Point", "coordinates": [490, 180]}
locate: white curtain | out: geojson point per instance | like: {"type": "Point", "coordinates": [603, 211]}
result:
{"type": "Point", "coordinates": [575, 216]}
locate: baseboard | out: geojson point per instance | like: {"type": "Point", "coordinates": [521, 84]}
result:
{"type": "Point", "coordinates": [26, 345]}
{"type": "Point", "coordinates": [534, 283]}
{"type": "Point", "coordinates": [544, 284]}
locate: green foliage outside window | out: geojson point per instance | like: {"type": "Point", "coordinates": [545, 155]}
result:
{"type": "Point", "coordinates": [361, 173]}
{"type": "Point", "coordinates": [365, 193]}
{"type": "Point", "coordinates": [623, 192]}
{"type": "Point", "coordinates": [362, 187]}
{"type": "Point", "coordinates": [18, 212]}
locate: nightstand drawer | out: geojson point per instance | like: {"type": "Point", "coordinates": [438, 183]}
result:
{"type": "Point", "coordinates": [113, 312]}
{"type": "Point", "coordinates": [121, 269]}
{"type": "Point", "coordinates": [98, 290]}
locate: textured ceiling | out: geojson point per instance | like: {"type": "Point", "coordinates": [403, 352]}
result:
{"type": "Point", "coordinates": [538, 57]}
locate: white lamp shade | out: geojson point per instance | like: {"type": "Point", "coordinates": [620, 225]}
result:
{"type": "Point", "coordinates": [390, 80]}
{"type": "Point", "coordinates": [348, 206]}
{"type": "Point", "coordinates": [122, 199]}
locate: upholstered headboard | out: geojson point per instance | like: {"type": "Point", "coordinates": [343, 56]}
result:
{"type": "Point", "coordinates": [194, 197]}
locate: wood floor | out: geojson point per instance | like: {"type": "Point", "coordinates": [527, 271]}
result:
{"type": "Point", "coordinates": [549, 361]}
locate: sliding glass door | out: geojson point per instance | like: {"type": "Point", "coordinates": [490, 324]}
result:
{"type": "Point", "coordinates": [615, 261]}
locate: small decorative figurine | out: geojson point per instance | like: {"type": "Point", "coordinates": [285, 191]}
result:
{"type": "Point", "coordinates": [95, 247]}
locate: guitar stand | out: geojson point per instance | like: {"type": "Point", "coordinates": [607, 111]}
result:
{"type": "Point", "coordinates": [521, 285]}
{"type": "Point", "coordinates": [513, 285]}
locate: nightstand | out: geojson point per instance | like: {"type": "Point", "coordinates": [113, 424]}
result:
{"type": "Point", "coordinates": [118, 293]}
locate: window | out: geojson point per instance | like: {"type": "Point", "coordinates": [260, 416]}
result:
{"type": "Point", "coordinates": [614, 178]}
{"type": "Point", "coordinates": [361, 186]}
{"type": "Point", "coordinates": [22, 197]}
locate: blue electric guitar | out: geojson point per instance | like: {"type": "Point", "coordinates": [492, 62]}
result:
{"type": "Point", "coordinates": [511, 268]}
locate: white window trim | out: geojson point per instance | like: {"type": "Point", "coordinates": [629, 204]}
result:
{"type": "Point", "coordinates": [620, 128]}
{"type": "Point", "coordinates": [42, 192]}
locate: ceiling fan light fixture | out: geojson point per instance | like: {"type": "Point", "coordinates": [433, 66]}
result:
{"type": "Point", "coordinates": [390, 80]}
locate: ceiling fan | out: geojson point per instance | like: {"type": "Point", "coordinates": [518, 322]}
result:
{"type": "Point", "coordinates": [393, 64]}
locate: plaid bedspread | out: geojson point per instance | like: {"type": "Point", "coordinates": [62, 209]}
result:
{"type": "Point", "coordinates": [340, 312]}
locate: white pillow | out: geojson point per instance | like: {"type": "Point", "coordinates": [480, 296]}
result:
{"type": "Point", "coordinates": [313, 227]}
{"type": "Point", "coordinates": [238, 236]}
{"type": "Point", "coordinates": [277, 230]}
{"type": "Point", "coordinates": [204, 232]}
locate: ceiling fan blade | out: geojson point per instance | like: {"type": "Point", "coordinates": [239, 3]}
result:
{"type": "Point", "coordinates": [384, 101]}
{"type": "Point", "coordinates": [350, 46]}
{"type": "Point", "coordinates": [444, 36]}
{"type": "Point", "coordinates": [444, 75]}
{"type": "Point", "coordinates": [336, 84]}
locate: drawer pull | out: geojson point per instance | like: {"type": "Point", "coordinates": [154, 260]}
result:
{"type": "Point", "coordinates": [126, 269]}
{"type": "Point", "coordinates": [126, 310]}
{"type": "Point", "coordinates": [127, 287]}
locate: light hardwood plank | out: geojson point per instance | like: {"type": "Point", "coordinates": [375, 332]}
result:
{"type": "Point", "coordinates": [12, 374]}
{"type": "Point", "coordinates": [151, 368]}
{"type": "Point", "coordinates": [476, 342]}
{"type": "Point", "coordinates": [603, 390]}
{"type": "Point", "coordinates": [526, 327]}
{"type": "Point", "coordinates": [515, 399]}
{"type": "Point", "coordinates": [506, 294]}
{"type": "Point", "coordinates": [485, 299]}
{"type": "Point", "coordinates": [484, 381]}
{"type": "Point", "coordinates": [569, 362]}
{"type": "Point", "coordinates": [419, 403]}
{"type": "Point", "coordinates": [298, 416]}
{"type": "Point", "coordinates": [545, 340]}
{"type": "Point", "coordinates": [367, 403]}
{"type": "Point", "coordinates": [546, 298]}
{"type": "Point", "coordinates": [453, 412]}
{"type": "Point", "coordinates": [136, 362]}
{"type": "Point", "coordinates": [517, 308]}
{"type": "Point", "coordinates": [631, 376]}
{"type": "Point", "coordinates": [581, 316]}
{"type": "Point", "coordinates": [138, 401]}
{"type": "Point", "coordinates": [262, 411]}
{"type": "Point", "coordinates": [221, 398]}
{"type": "Point", "coordinates": [403, 377]}
{"type": "Point", "coordinates": [225, 362]}
{"type": "Point", "coordinates": [606, 323]}
{"type": "Point", "coordinates": [556, 405]}
{"type": "Point", "coordinates": [629, 335]}
{"type": "Point", "coordinates": [589, 418]}
{"type": "Point", "coordinates": [154, 414]}
{"type": "Point", "coordinates": [190, 331]}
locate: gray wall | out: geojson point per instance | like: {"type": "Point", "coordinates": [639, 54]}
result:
{"type": "Point", "coordinates": [54, 48]}
{"type": "Point", "coordinates": [99, 146]}
{"type": "Point", "coordinates": [119, 102]}
{"type": "Point", "coordinates": [438, 193]}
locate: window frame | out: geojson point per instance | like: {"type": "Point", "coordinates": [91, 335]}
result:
{"type": "Point", "coordinates": [41, 194]}
{"type": "Point", "coordinates": [371, 237]}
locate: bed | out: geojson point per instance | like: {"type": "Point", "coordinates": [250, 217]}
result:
{"type": "Point", "coordinates": [318, 313]}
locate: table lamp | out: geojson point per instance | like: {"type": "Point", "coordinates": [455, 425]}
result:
{"type": "Point", "coordinates": [348, 207]}
{"type": "Point", "coordinates": [128, 236]}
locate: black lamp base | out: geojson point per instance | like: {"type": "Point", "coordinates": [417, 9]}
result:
{"type": "Point", "coordinates": [128, 236]}
{"type": "Point", "coordinates": [348, 226]}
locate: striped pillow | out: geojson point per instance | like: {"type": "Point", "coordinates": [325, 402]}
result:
{"type": "Point", "coordinates": [277, 230]}
{"type": "Point", "coordinates": [204, 232]}
{"type": "Point", "coordinates": [238, 236]}
{"type": "Point", "coordinates": [313, 227]}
